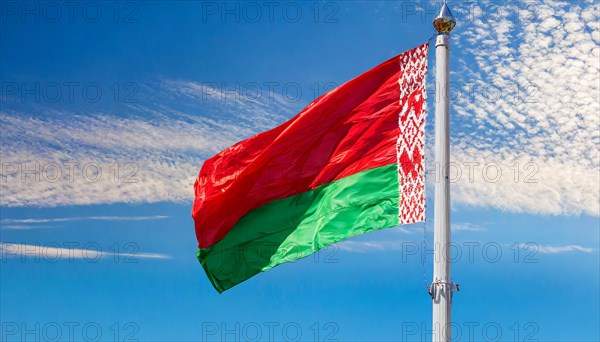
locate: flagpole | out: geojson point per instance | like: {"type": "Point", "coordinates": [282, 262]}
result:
{"type": "Point", "coordinates": [442, 286]}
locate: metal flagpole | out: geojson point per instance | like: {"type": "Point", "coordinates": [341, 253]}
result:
{"type": "Point", "coordinates": [442, 288]}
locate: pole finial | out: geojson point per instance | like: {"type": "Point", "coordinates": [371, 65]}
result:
{"type": "Point", "coordinates": [444, 22]}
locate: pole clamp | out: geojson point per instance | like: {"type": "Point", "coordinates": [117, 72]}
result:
{"type": "Point", "coordinates": [451, 286]}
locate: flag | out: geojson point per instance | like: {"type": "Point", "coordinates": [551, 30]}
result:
{"type": "Point", "coordinates": [350, 163]}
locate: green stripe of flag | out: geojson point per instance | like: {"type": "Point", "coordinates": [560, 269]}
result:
{"type": "Point", "coordinates": [295, 227]}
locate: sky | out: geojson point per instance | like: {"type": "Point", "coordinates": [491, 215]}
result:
{"type": "Point", "coordinates": [108, 109]}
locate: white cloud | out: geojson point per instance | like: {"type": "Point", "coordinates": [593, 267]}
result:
{"type": "Point", "coordinates": [90, 218]}
{"type": "Point", "coordinates": [546, 249]}
{"type": "Point", "coordinates": [52, 253]}
{"type": "Point", "coordinates": [466, 227]}
{"type": "Point", "coordinates": [4, 226]}
{"type": "Point", "coordinates": [25, 224]}
{"type": "Point", "coordinates": [152, 154]}
{"type": "Point", "coordinates": [367, 246]}
{"type": "Point", "coordinates": [18, 227]}
{"type": "Point", "coordinates": [397, 245]}
{"type": "Point", "coordinates": [530, 95]}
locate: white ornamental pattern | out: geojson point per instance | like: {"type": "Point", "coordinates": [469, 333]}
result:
{"type": "Point", "coordinates": [411, 141]}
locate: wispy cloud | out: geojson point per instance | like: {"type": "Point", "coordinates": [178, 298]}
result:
{"type": "Point", "coordinates": [547, 249]}
{"type": "Point", "coordinates": [466, 227]}
{"type": "Point", "coordinates": [369, 246]}
{"type": "Point", "coordinates": [39, 252]}
{"type": "Point", "coordinates": [86, 218]}
{"type": "Point", "coordinates": [529, 102]}
{"type": "Point", "coordinates": [151, 154]}
{"type": "Point", "coordinates": [26, 224]}
{"type": "Point", "coordinates": [21, 226]}
{"type": "Point", "coordinates": [409, 229]}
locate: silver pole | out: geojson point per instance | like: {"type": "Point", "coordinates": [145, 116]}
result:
{"type": "Point", "coordinates": [442, 287]}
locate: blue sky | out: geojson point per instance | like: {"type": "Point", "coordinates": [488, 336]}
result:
{"type": "Point", "coordinates": [114, 106]}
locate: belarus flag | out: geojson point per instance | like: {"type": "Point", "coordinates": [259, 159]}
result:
{"type": "Point", "coordinates": [350, 163]}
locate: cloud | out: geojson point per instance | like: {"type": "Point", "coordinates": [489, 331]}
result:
{"type": "Point", "coordinates": [22, 226]}
{"type": "Point", "coordinates": [397, 245]}
{"type": "Point", "coordinates": [87, 218]}
{"type": "Point", "coordinates": [546, 249]}
{"type": "Point", "coordinates": [409, 229]}
{"type": "Point", "coordinates": [466, 227]}
{"type": "Point", "coordinates": [526, 102]}
{"type": "Point", "coordinates": [52, 253]}
{"type": "Point", "coordinates": [368, 246]}
{"type": "Point", "coordinates": [150, 154]}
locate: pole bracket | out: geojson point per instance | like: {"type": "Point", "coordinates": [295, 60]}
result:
{"type": "Point", "coordinates": [451, 286]}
